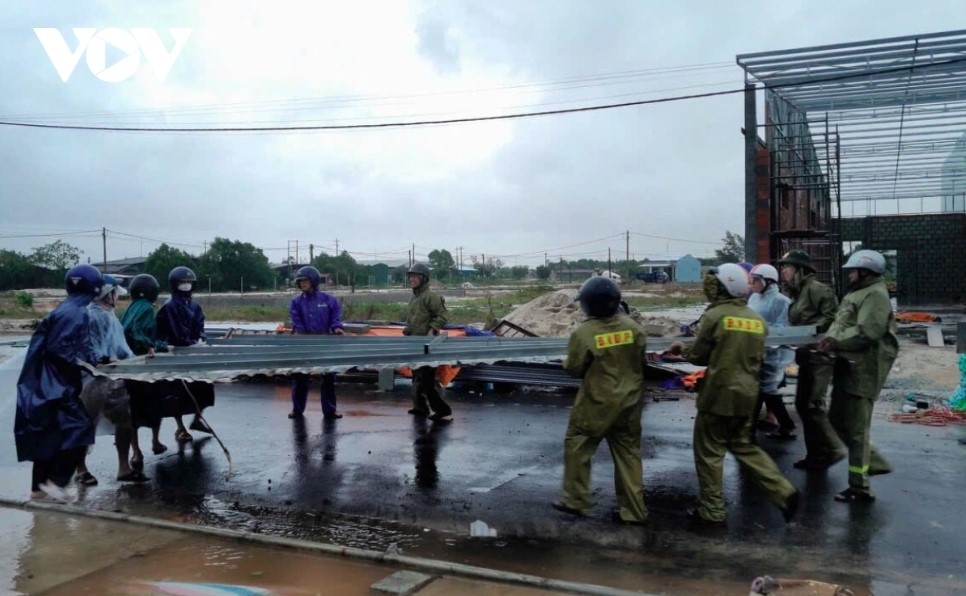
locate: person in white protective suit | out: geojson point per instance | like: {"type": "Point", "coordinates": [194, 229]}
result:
{"type": "Point", "coordinates": [772, 305]}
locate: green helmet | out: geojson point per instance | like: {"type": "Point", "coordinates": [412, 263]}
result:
{"type": "Point", "coordinates": [419, 269]}
{"type": "Point", "coordinates": [797, 258]}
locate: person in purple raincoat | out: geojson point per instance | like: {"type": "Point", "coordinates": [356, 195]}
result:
{"type": "Point", "coordinates": [314, 312]}
{"type": "Point", "coordinates": [181, 323]}
{"type": "Point", "coordinates": [52, 428]}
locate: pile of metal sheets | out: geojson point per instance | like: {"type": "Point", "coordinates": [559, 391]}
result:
{"type": "Point", "coordinates": [235, 358]}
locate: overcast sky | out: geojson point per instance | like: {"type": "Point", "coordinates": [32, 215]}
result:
{"type": "Point", "coordinates": [566, 185]}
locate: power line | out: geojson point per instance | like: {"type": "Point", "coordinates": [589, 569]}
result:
{"type": "Point", "coordinates": [307, 128]}
{"type": "Point", "coordinates": [596, 80]}
{"type": "Point", "coordinates": [168, 242]}
{"type": "Point", "coordinates": [57, 234]}
{"type": "Point", "coordinates": [311, 128]}
{"type": "Point", "coordinates": [674, 239]}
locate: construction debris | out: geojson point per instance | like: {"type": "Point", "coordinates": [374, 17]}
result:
{"type": "Point", "coordinates": [557, 314]}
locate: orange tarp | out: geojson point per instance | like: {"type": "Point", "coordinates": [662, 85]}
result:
{"type": "Point", "coordinates": [690, 381]}
{"type": "Point", "coordinates": [444, 374]}
{"type": "Point", "coordinates": [916, 317]}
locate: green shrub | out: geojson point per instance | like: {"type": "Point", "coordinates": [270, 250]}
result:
{"type": "Point", "coordinates": [24, 300]}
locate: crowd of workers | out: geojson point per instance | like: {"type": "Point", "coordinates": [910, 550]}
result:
{"type": "Point", "coordinates": [61, 407]}
{"type": "Point", "coordinates": [857, 348]}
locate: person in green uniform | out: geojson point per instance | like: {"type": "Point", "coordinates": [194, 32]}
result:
{"type": "Point", "coordinates": [607, 352]}
{"type": "Point", "coordinates": [863, 341]}
{"type": "Point", "coordinates": [731, 344]}
{"type": "Point", "coordinates": [426, 316]}
{"type": "Point", "coordinates": [813, 303]}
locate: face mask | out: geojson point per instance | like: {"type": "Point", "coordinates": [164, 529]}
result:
{"type": "Point", "coordinates": [186, 287]}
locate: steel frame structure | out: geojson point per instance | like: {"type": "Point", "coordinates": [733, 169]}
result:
{"type": "Point", "coordinates": [858, 129]}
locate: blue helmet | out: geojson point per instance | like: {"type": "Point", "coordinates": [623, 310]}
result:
{"type": "Point", "coordinates": [179, 275]}
{"type": "Point", "coordinates": [83, 279]}
{"type": "Point", "coordinates": [310, 273]}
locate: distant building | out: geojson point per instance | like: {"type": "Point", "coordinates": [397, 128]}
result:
{"type": "Point", "coordinates": [687, 269]}
{"type": "Point", "coordinates": [683, 269]}
{"type": "Point", "coordinates": [128, 266]}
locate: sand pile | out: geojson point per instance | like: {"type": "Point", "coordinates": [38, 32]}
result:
{"type": "Point", "coordinates": [557, 314]}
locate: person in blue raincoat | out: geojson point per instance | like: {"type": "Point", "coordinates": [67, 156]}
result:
{"type": "Point", "coordinates": [102, 396]}
{"type": "Point", "coordinates": [181, 323]}
{"type": "Point", "coordinates": [772, 305]}
{"type": "Point", "coordinates": [52, 428]}
{"type": "Point", "coordinates": [314, 312]}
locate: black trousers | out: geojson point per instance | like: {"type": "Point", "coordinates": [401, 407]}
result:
{"type": "Point", "coordinates": [58, 470]}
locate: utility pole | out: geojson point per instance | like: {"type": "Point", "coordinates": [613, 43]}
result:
{"type": "Point", "coordinates": [337, 247]}
{"type": "Point", "coordinates": [296, 252]}
{"type": "Point", "coordinates": [104, 244]}
{"type": "Point", "coordinates": [413, 262]}
{"type": "Point", "coordinates": [627, 253]}
{"type": "Point", "coordinates": [610, 270]}
{"type": "Point", "coordinates": [311, 252]}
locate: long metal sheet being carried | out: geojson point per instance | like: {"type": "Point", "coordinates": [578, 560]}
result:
{"type": "Point", "coordinates": [227, 361]}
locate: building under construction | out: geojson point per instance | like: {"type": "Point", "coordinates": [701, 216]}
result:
{"type": "Point", "coordinates": [861, 143]}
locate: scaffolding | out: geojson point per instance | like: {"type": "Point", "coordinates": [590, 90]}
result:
{"type": "Point", "coordinates": [854, 130]}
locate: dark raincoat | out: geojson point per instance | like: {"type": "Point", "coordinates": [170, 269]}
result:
{"type": "Point", "coordinates": [50, 416]}
{"type": "Point", "coordinates": [181, 321]}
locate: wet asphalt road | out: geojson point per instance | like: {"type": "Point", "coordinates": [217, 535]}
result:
{"type": "Point", "coordinates": [378, 477]}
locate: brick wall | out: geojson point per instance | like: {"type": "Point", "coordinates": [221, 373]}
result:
{"type": "Point", "coordinates": [931, 267]}
{"type": "Point", "coordinates": [762, 211]}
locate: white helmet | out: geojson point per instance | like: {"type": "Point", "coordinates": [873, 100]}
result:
{"type": "Point", "coordinates": [765, 271]}
{"type": "Point", "coordinates": [866, 259]}
{"type": "Point", "coordinates": [734, 279]}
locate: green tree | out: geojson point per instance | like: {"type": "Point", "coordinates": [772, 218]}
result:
{"type": "Point", "coordinates": [164, 258]}
{"type": "Point", "coordinates": [732, 249]}
{"type": "Point", "coordinates": [543, 272]}
{"type": "Point", "coordinates": [16, 271]}
{"type": "Point", "coordinates": [485, 268]}
{"type": "Point", "coordinates": [441, 261]}
{"type": "Point", "coordinates": [519, 272]}
{"type": "Point", "coordinates": [235, 265]}
{"type": "Point", "coordinates": [58, 256]}
{"type": "Point", "coordinates": [342, 268]}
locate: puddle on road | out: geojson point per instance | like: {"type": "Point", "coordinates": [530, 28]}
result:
{"type": "Point", "coordinates": [202, 566]}
{"type": "Point", "coordinates": [55, 553]}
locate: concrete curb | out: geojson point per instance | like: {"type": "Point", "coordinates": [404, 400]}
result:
{"type": "Point", "coordinates": [426, 565]}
